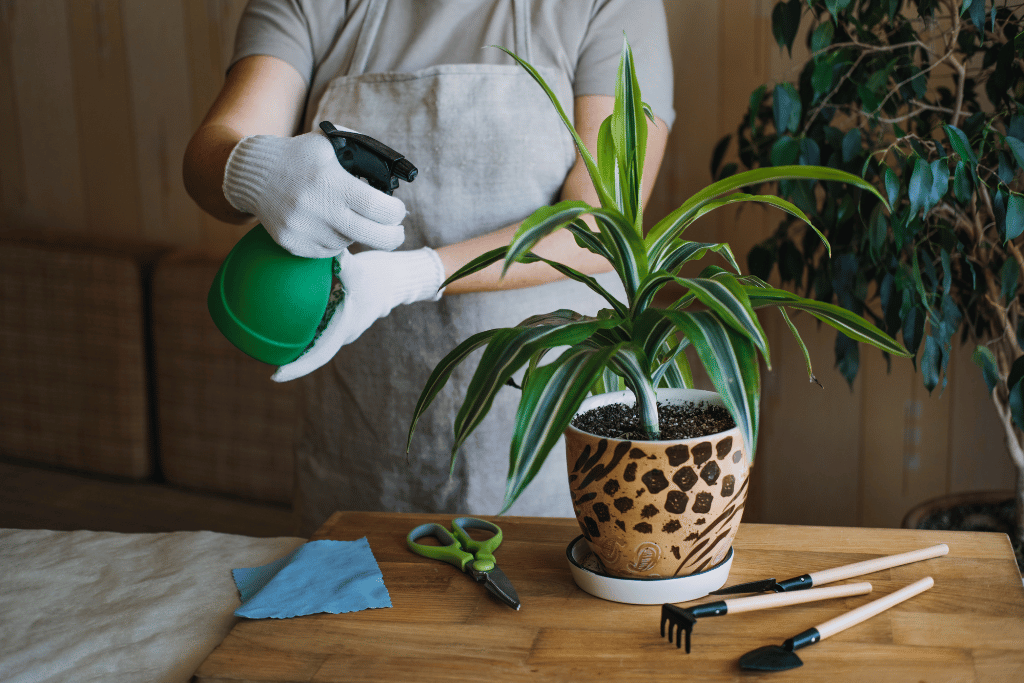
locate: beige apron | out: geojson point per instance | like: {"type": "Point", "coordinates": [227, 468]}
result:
{"type": "Point", "coordinates": [490, 149]}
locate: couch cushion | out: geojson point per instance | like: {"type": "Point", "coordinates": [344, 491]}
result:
{"type": "Point", "coordinates": [224, 425]}
{"type": "Point", "coordinates": [72, 355]}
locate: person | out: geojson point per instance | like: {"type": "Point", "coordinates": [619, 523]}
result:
{"type": "Point", "coordinates": [490, 149]}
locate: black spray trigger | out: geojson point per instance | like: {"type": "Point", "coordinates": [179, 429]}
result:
{"type": "Point", "coordinates": [369, 159]}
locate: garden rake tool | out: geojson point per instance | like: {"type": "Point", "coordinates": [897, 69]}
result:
{"type": "Point", "coordinates": [783, 658]}
{"type": "Point", "coordinates": [684, 618]}
{"type": "Point", "coordinates": [848, 571]}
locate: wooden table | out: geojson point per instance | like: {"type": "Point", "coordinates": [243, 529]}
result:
{"type": "Point", "coordinates": [444, 626]}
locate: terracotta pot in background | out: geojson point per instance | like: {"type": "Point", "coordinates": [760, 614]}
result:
{"type": "Point", "coordinates": [656, 509]}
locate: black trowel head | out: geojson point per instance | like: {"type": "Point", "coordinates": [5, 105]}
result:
{"type": "Point", "coordinates": [770, 658]}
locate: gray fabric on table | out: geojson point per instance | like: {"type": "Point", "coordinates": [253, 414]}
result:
{"type": "Point", "coordinates": [88, 606]}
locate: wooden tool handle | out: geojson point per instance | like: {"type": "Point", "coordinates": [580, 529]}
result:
{"type": "Point", "coordinates": [877, 564]}
{"type": "Point", "coordinates": [865, 612]}
{"type": "Point", "coordinates": [796, 597]}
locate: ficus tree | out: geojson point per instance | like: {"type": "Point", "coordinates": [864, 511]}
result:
{"type": "Point", "coordinates": [924, 99]}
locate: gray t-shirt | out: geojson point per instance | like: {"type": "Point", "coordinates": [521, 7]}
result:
{"type": "Point", "coordinates": [582, 38]}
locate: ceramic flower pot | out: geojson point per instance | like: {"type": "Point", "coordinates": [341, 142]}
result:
{"type": "Point", "coordinates": [657, 509]}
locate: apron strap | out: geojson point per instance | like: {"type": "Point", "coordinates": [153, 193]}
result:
{"type": "Point", "coordinates": [375, 12]}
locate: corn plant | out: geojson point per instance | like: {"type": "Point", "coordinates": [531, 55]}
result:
{"type": "Point", "coordinates": [632, 343]}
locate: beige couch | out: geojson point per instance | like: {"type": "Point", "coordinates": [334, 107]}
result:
{"type": "Point", "coordinates": [110, 364]}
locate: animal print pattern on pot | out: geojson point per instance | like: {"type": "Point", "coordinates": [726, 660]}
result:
{"type": "Point", "coordinates": [657, 509]}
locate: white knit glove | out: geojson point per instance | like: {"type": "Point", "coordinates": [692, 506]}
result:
{"type": "Point", "coordinates": [308, 203]}
{"type": "Point", "coordinates": [375, 282]}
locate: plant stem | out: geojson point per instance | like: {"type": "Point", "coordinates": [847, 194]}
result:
{"type": "Point", "coordinates": [647, 411]}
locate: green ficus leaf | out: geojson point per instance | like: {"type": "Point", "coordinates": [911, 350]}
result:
{"type": "Point", "coordinates": [1014, 216]}
{"type": "Point", "coordinates": [1017, 147]}
{"type": "Point", "coordinates": [822, 36]}
{"type": "Point", "coordinates": [986, 360]}
{"type": "Point", "coordinates": [892, 185]}
{"type": "Point", "coordinates": [920, 187]}
{"type": "Point", "coordinates": [786, 23]}
{"type": "Point", "coordinates": [962, 183]}
{"type": "Point", "coordinates": [851, 144]}
{"type": "Point", "coordinates": [756, 98]}
{"type": "Point", "coordinates": [787, 108]}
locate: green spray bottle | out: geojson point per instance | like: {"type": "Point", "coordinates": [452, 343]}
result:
{"type": "Point", "coordinates": [272, 304]}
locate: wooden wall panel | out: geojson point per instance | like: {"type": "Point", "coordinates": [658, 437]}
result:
{"type": "Point", "coordinates": [52, 194]}
{"type": "Point", "coordinates": [162, 124]}
{"type": "Point", "coordinates": [977, 458]}
{"type": "Point", "coordinates": [103, 115]}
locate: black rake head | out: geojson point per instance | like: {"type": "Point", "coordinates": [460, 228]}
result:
{"type": "Point", "coordinates": [681, 619]}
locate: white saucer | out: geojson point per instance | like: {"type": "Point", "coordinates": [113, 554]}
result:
{"type": "Point", "coordinates": [644, 591]}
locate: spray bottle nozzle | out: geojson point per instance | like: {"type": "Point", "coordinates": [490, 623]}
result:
{"type": "Point", "coordinates": [370, 159]}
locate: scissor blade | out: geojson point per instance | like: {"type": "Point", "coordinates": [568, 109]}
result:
{"type": "Point", "coordinates": [499, 586]}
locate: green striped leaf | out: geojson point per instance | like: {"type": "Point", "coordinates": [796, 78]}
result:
{"type": "Point", "coordinates": [754, 281]}
{"type": "Point", "coordinates": [629, 133]}
{"type": "Point", "coordinates": [850, 324]}
{"type": "Point", "coordinates": [633, 364]}
{"type": "Point", "coordinates": [731, 362]}
{"type": "Point", "coordinates": [486, 259]}
{"type": "Point", "coordinates": [507, 351]}
{"type": "Point", "coordinates": [589, 240]}
{"type": "Point", "coordinates": [649, 289]}
{"type": "Point", "coordinates": [686, 251]}
{"type": "Point", "coordinates": [589, 281]}
{"type": "Point", "coordinates": [728, 300]}
{"type": "Point", "coordinates": [441, 374]}
{"type": "Point", "coordinates": [595, 176]}
{"type": "Point", "coordinates": [606, 162]}
{"type": "Point", "coordinates": [539, 225]}
{"type": "Point", "coordinates": [628, 256]}
{"type": "Point", "coordinates": [665, 230]}
{"type": "Point", "coordinates": [551, 397]}
{"type": "Point", "coordinates": [735, 198]}
{"type": "Point", "coordinates": [675, 368]}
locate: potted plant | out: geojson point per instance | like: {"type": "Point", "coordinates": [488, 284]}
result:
{"type": "Point", "coordinates": [923, 99]}
{"type": "Point", "coordinates": [644, 504]}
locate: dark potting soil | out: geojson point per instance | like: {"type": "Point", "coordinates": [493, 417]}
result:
{"type": "Point", "coordinates": [677, 421]}
{"type": "Point", "coordinates": [976, 517]}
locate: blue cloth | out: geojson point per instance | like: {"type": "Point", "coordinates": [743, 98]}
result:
{"type": "Point", "coordinates": [319, 576]}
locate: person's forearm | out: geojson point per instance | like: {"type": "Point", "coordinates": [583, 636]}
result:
{"type": "Point", "coordinates": [203, 171]}
{"type": "Point", "coordinates": [261, 96]}
{"type": "Point", "coordinates": [560, 247]}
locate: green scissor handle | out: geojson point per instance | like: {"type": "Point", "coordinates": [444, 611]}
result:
{"type": "Point", "coordinates": [482, 550]}
{"type": "Point", "coordinates": [451, 549]}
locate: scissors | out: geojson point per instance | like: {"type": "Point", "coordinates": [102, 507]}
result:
{"type": "Point", "coordinates": [478, 562]}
